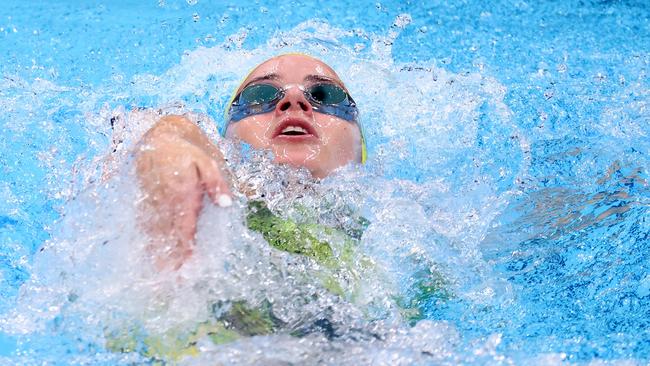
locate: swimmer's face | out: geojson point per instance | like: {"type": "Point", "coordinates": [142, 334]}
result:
{"type": "Point", "coordinates": [295, 133]}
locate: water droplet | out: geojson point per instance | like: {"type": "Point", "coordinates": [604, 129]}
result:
{"type": "Point", "coordinates": [548, 94]}
{"type": "Point", "coordinates": [402, 20]}
{"type": "Point", "coordinates": [543, 116]}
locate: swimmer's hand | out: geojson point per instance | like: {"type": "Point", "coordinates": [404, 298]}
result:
{"type": "Point", "coordinates": [176, 165]}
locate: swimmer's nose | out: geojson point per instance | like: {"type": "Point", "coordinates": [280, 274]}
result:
{"type": "Point", "coordinates": [294, 101]}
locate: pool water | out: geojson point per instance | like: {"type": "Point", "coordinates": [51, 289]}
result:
{"type": "Point", "coordinates": [508, 148]}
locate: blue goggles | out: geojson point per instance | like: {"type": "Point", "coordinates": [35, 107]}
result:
{"type": "Point", "coordinates": [324, 98]}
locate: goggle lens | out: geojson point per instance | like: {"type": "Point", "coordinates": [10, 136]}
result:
{"type": "Point", "coordinates": [259, 93]}
{"type": "Point", "coordinates": [327, 94]}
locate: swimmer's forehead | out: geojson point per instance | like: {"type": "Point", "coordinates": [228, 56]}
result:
{"type": "Point", "coordinates": [292, 69]}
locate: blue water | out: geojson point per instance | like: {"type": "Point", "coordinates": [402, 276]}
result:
{"type": "Point", "coordinates": [523, 127]}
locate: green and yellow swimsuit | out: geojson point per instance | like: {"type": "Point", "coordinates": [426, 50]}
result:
{"type": "Point", "coordinates": [239, 320]}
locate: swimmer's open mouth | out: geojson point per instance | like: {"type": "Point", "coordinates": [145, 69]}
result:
{"type": "Point", "coordinates": [293, 131]}
{"type": "Point", "coordinates": [294, 128]}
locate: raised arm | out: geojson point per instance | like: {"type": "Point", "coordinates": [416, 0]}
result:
{"type": "Point", "coordinates": [176, 165]}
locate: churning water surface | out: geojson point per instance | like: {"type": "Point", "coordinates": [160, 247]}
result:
{"type": "Point", "coordinates": [508, 150]}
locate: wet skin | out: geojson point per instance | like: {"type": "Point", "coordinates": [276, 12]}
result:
{"type": "Point", "coordinates": [177, 164]}
{"type": "Point", "coordinates": [329, 142]}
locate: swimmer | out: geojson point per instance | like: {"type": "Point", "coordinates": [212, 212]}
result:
{"type": "Point", "coordinates": [296, 107]}
{"type": "Point", "coordinates": [293, 105]}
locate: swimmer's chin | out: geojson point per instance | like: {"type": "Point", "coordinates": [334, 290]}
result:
{"type": "Point", "coordinates": [311, 165]}
{"type": "Point", "coordinates": [297, 161]}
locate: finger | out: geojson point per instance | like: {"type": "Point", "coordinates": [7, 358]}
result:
{"type": "Point", "coordinates": [213, 181]}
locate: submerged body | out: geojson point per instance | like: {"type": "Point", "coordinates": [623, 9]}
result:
{"type": "Point", "coordinates": [340, 270]}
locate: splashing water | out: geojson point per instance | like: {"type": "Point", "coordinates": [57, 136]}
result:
{"type": "Point", "coordinates": [538, 232]}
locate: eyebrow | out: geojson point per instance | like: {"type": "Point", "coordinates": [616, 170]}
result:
{"type": "Point", "coordinates": [311, 78]}
{"type": "Point", "coordinates": [320, 78]}
{"type": "Point", "coordinates": [271, 76]}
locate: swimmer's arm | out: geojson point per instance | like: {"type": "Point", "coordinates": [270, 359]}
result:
{"type": "Point", "coordinates": [176, 166]}
{"type": "Point", "coordinates": [180, 127]}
